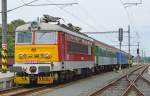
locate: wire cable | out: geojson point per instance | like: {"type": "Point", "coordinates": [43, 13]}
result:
{"type": "Point", "coordinates": [21, 6]}
{"type": "Point", "coordinates": [126, 5]}
{"type": "Point", "coordinates": [47, 4]}
{"type": "Point", "coordinates": [77, 18]}
{"type": "Point", "coordinates": [52, 4]}
{"type": "Point", "coordinates": [125, 8]}
{"type": "Point", "coordinates": [131, 21]}
{"type": "Point", "coordinates": [92, 17]}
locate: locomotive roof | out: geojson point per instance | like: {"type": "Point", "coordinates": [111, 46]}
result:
{"type": "Point", "coordinates": [53, 27]}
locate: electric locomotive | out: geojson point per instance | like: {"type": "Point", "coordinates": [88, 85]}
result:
{"type": "Point", "coordinates": [48, 51]}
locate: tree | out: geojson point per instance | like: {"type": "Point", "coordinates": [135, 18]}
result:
{"type": "Point", "coordinates": [11, 35]}
{"type": "Point", "coordinates": [0, 29]}
{"type": "Point", "coordinates": [14, 24]}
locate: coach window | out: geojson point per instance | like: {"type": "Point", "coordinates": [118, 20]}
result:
{"type": "Point", "coordinates": [89, 50]}
{"type": "Point", "coordinates": [77, 48]}
{"type": "Point", "coordinates": [45, 38]}
{"type": "Point", "coordinates": [24, 37]}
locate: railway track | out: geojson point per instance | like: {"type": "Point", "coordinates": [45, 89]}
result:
{"type": "Point", "coordinates": [38, 90]}
{"type": "Point", "coordinates": [21, 91]}
{"type": "Point", "coordinates": [132, 84]}
{"type": "Point", "coordinates": [35, 90]}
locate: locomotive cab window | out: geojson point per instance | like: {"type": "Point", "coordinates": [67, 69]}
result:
{"type": "Point", "coordinates": [45, 38]}
{"type": "Point", "coordinates": [24, 37]}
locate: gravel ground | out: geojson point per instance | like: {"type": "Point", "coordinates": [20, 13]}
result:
{"type": "Point", "coordinates": [142, 85]}
{"type": "Point", "coordinates": [87, 85]}
{"type": "Point", "coordinates": [147, 74]}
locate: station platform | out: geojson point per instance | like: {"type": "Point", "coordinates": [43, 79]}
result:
{"type": "Point", "coordinates": [6, 80]}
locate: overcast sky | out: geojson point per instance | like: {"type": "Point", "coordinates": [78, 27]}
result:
{"type": "Point", "coordinates": [95, 15]}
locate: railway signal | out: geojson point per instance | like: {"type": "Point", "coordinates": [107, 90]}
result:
{"type": "Point", "coordinates": [137, 50]}
{"type": "Point", "coordinates": [120, 38]}
{"type": "Point", "coordinates": [120, 34]}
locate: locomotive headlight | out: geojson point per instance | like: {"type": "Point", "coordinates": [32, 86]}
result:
{"type": "Point", "coordinates": [47, 56]}
{"type": "Point", "coordinates": [32, 69]}
{"type": "Point", "coordinates": [34, 25]}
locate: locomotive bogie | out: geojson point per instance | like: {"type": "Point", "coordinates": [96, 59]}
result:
{"type": "Point", "coordinates": [20, 79]}
{"type": "Point", "coordinates": [41, 78]}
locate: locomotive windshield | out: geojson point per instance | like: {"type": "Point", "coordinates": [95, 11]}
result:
{"type": "Point", "coordinates": [45, 38]}
{"type": "Point", "coordinates": [24, 37]}
{"type": "Point", "coordinates": [40, 37]}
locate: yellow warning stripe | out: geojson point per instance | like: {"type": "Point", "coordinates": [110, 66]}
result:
{"type": "Point", "coordinates": [4, 59]}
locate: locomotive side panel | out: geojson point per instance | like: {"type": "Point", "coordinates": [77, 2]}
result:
{"type": "Point", "coordinates": [78, 49]}
{"type": "Point", "coordinates": [78, 52]}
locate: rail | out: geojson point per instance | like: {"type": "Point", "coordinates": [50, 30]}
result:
{"type": "Point", "coordinates": [128, 84]}
{"type": "Point", "coordinates": [20, 91]}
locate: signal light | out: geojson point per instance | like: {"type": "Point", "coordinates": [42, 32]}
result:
{"type": "Point", "coordinates": [120, 34]}
{"type": "Point", "coordinates": [137, 50]}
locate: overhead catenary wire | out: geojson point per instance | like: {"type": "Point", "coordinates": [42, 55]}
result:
{"type": "Point", "coordinates": [51, 4]}
{"type": "Point", "coordinates": [131, 4]}
{"type": "Point", "coordinates": [45, 4]}
{"type": "Point", "coordinates": [91, 16]}
{"type": "Point", "coordinates": [76, 17]}
{"type": "Point", "coordinates": [127, 13]}
{"type": "Point", "coordinates": [21, 6]}
{"type": "Point", "coordinates": [125, 5]}
{"type": "Point", "coordinates": [28, 4]}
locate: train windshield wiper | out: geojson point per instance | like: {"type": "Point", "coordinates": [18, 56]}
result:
{"type": "Point", "coordinates": [43, 33]}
